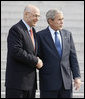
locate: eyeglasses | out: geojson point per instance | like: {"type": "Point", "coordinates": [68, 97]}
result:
{"type": "Point", "coordinates": [35, 15]}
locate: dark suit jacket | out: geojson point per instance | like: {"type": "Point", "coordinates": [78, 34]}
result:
{"type": "Point", "coordinates": [57, 70]}
{"type": "Point", "coordinates": [21, 58]}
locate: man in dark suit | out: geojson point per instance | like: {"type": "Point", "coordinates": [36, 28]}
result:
{"type": "Point", "coordinates": [21, 57]}
{"type": "Point", "coordinates": [57, 51]}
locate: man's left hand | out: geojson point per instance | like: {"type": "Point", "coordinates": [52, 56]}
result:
{"type": "Point", "coordinates": [77, 83]}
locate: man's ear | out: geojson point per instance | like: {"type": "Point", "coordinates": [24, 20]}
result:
{"type": "Point", "coordinates": [26, 13]}
{"type": "Point", "coordinates": [50, 21]}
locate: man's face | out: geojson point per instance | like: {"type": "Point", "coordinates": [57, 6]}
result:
{"type": "Point", "coordinates": [33, 17]}
{"type": "Point", "coordinates": [57, 23]}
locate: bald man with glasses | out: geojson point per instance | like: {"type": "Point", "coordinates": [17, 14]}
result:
{"type": "Point", "coordinates": [22, 59]}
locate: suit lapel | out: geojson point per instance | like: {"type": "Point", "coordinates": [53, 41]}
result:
{"type": "Point", "coordinates": [48, 39]}
{"type": "Point", "coordinates": [63, 38]}
{"type": "Point", "coordinates": [50, 42]}
{"type": "Point", "coordinates": [28, 35]}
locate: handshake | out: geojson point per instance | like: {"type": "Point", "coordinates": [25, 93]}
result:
{"type": "Point", "coordinates": [39, 64]}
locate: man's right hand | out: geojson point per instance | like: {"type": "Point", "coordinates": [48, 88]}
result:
{"type": "Point", "coordinates": [40, 63]}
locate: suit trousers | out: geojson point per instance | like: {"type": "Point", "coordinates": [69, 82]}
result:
{"type": "Point", "coordinates": [61, 93]}
{"type": "Point", "coordinates": [15, 93]}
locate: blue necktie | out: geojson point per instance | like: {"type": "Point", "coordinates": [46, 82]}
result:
{"type": "Point", "coordinates": [57, 43]}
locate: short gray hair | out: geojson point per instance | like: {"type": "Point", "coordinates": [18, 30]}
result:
{"type": "Point", "coordinates": [52, 13]}
{"type": "Point", "coordinates": [27, 9]}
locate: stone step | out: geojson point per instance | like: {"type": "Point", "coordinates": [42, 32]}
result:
{"type": "Point", "coordinates": [75, 33]}
{"type": "Point", "coordinates": [72, 18]}
{"type": "Point", "coordinates": [72, 6]}
{"type": "Point", "coordinates": [9, 22]}
{"type": "Point", "coordinates": [80, 55]}
{"type": "Point", "coordinates": [3, 75]}
{"type": "Point", "coordinates": [3, 65]}
{"type": "Point", "coordinates": [81, 90]}
{"type": "Point", "coordinates": [74, 30]}
{"type": "Point", "coordinates": [17, 15]}
{"type": "Point", "coordinates": [76, 38]}
{"type": "Point", "coordinates": [79, 46]}
{"type": "Point", "coordinates": [75, 95]}
{"type": "Point", "coordinates": [12, 3]}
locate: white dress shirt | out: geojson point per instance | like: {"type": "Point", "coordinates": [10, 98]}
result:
{"type": "Point", "coordinates": [53, 35]}
{"type": "Point", "coordinates": [28, 27]}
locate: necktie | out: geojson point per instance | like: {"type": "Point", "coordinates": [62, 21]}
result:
{"type": "Point", "coordinates": [32, 37]}
{"type": "Point", "coordinates": [57, 43]}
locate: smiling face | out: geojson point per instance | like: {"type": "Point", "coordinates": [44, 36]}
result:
{"type": "Point", "coordinates": [32, 17]}
{"type": "Point", "coordinates": [57, 22]}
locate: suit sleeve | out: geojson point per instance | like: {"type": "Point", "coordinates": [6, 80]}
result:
{"type": "Point", "coordinates": [16, 50]}
{"type": "Point", "coordinates": [73, 59]}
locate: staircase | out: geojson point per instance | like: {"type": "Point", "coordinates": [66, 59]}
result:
{"type": "Point", "coordinates": [12, 12]}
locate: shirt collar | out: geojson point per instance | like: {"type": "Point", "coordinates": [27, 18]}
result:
{"type": "Point", "coordinates": [53, 31]}
{"type": "Point", "coordinates": [28, 27]}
